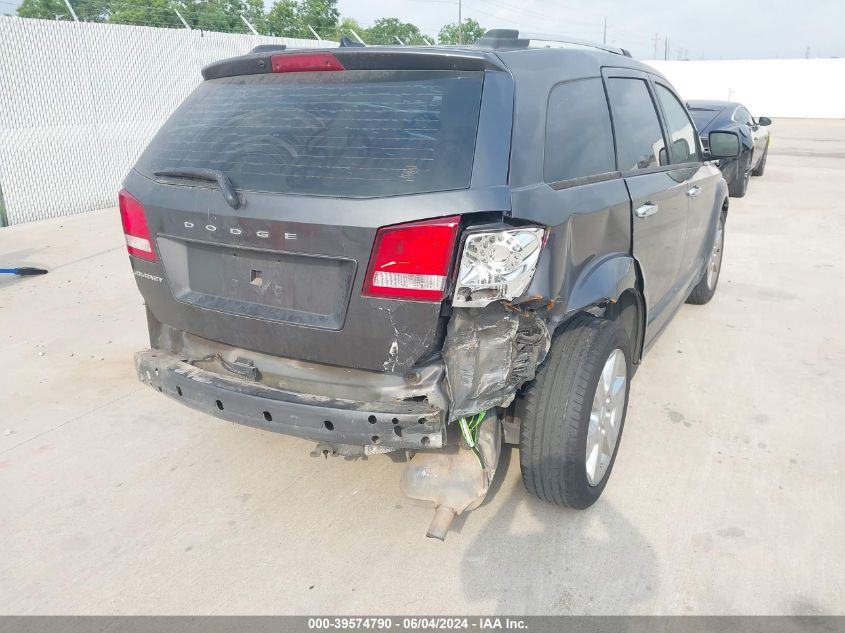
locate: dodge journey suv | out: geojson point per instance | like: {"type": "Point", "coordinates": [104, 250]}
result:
{"type": "Point", "coordinates": [426, 250]}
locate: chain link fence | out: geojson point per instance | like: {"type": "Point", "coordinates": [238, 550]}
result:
{"type": "Point", "coordinates": [80, 101]}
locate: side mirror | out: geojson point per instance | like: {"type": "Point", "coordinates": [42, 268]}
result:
{"type": "Point", "coordinates": [681, 150]}
{"type": "Point", "coordinates": [724, 145]}
{"type": "Point", "coordinates": [764, 120]}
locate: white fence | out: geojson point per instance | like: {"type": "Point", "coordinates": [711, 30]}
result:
{"type": "Point", "coordinates": [80, 101]}
{"type": "Point", "coordinates": [800, 88]}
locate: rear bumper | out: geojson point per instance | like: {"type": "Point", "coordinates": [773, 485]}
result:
{"type": "Point", "coordinates": [380, 425]}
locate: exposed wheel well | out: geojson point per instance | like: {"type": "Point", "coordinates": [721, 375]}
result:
{"type": "Point", "coordinates": [629, 310]}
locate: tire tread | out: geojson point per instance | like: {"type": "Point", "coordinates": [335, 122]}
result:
{"type": "Point", "coordinates": [559, 392]}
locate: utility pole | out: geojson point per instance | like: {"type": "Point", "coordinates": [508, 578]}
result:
{"type": "Point", "coordinates": [460, 28]}
{"type": "Point", "coordinates": [604, 36]}
{"type": "Point", "coordinates": [76, 19]}
{"type": "Point", "coordinates": [317, 35]}
{"type": "Point", "coordinates": [181, 19]}
{"type": "Point", "coordinates": [655, 46]}
{"type": "Point", "coordinates": [666, 49]}
{"type": "Point", "coordinates": [249, 26]}
{"type": "Point", "coordinates": [806, 55]}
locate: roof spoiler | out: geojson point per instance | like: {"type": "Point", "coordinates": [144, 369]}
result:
{"type": "Point", "coordinates": [360, 58]}
{"type": "Point", "coordinates": [346, 42]}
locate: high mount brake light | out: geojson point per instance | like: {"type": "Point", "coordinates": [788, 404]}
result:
{"type": "Point", "coordinates": [139, 242]}
{"type": "Point", "coordinates": [411, 261]}
{"type": "Point", "coordinates": [304, 62]}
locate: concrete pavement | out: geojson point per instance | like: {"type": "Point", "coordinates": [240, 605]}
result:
{"type": "Point", "coordinates": [728, 496]}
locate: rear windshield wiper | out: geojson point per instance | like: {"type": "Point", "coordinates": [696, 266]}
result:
{"type": "Point", "coordinates": [210, 175]}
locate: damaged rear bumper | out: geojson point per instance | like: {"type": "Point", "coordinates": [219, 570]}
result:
{"type": "Point", "coordinates": [380, 425]}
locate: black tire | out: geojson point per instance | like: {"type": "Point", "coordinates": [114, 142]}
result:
{"type": "Point", "coordinates": [554, 412]}
{"type": "Point", "coordinates": [758, 171]}
{"type": "Point", "coordinates": [738, 186]}
{"type": "Point", "coordinates": [706, 286]}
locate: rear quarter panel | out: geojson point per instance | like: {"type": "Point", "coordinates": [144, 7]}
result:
{"type": "Point", "coordinates": [590, 222]}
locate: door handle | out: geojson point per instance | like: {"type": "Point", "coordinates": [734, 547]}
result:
{"type": "Point", "coordinates": [646, 210]}
{"type": "Point", "coordinates": [692, 192]}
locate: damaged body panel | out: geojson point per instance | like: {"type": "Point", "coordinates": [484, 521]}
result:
{"type": "Point", "coordinates": [489, 353]}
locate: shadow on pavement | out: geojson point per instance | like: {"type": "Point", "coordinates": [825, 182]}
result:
{"type": "Point", "coordinates": [559, 561]}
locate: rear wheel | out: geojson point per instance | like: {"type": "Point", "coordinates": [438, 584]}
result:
{"type": "Point", "coordinates": [706, 287]}
{"type": "Point", "coordinates": [758, 171]}
{"type": "Point", "coordinates": [572, 414]}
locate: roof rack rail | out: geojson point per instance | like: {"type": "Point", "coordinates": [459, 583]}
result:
{"type": "Point", "coordinates": [512, 38]}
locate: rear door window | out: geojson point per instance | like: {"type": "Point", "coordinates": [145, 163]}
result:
{"type": "Point", "coordinates": [343, 134]}
{"type": "Point", "coordinates": [579, 138]}
{"type": "Point", "coordinates": [684, 149]}
{"type": "Point", "coordinates": [639, 138]}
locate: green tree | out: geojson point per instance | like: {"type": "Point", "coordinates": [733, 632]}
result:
{"type": "Point", "coordinates": [220, 15]}
{"type": "Point", "coordinates": [346, 26]}
{"type": "Point", "coordinates": [470, 32]}
{"type": "Point", "coordinates": [146, 12]}
{"type": "Point", "coordinates": [320, 15]}
{"type": "Point", "coordinates": [386, 30]}
{"type": "Point", "coordinates": [282, 19]}
{"type": "Point", "coordinates": [291, 18]}
{"type": "Point", "coordinates": [86, 10]}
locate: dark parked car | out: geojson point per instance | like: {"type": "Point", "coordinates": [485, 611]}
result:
{"type": "Point", "coordinates": [710, 116]}
{"type": "Point", "coordinates": [385, 248]}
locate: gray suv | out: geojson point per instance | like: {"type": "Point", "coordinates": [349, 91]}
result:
{"type": "Point", "coordinates": [430, 249]}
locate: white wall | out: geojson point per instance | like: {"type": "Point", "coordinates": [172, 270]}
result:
{"type": "Point", "coordinates": [80, 101]}
{"type": "Point", "coordinates": [800, 88]}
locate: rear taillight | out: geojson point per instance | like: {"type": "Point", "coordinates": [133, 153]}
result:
{"type": "Point", "coordinates": [411, 261]}
{"type": "Point", "coordinates": [304, 62]}
{"type": "Point", "coordinates": [497, 265]}
{"type": "Point", "coordinates": [139, 242]}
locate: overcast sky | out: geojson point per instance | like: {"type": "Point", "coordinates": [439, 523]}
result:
{"type": "Point", "coordinates": [711, 29]}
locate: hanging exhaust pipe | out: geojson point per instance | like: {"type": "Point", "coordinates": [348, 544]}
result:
{"type": "Point", "coordinates": [455, 479]}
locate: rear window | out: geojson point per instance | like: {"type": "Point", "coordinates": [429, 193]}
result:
{"type": "Point", "coordinates": [344, 134]}
{"type": "Point", "coordinates": [702, 117]}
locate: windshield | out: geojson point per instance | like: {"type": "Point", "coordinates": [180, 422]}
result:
{"type": "Point", "coordinates": [345, 134]}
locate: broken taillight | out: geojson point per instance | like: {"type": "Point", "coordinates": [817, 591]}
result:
{"type": "Point", "coordinates": [497, 265]}
{"type": "Point", "coordinates": [139, 242]}
{"type": "Point", "coordinates": [304, 62]}
{"type": "Point", "coordinates": [411, 261]}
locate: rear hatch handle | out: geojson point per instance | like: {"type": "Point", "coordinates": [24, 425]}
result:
{"type": "Point", "coordinates": [209, 175]}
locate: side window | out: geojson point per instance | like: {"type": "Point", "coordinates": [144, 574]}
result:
{"type": "Point", "coordinates": [639, 139]}
{"type": "Point", "coordinates": [743, 116]}
{"type": "Point", "coordinates": [579, 139]}
{"type": "Point", "coordinates": [681, 130]}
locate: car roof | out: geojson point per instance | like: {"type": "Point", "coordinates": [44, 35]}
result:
{"type": "Point", "coordinates": [551, 56]}
{"type": "Point", "coordinates": [711, 104]}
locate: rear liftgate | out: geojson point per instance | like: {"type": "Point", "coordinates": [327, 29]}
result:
{"type": "Point", "coordinates": [495, 338]}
